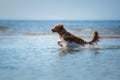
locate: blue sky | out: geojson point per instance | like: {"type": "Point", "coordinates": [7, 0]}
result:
{"type": "Point", "coordinates": [60, 9]}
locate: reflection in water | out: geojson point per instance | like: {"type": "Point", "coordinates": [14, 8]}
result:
{"type": "Point", "coordinates": [64, 51]}
{"type": "Point", "coordinates": [95, 50]}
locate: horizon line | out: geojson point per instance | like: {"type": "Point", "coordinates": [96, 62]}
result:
{"type": "Point", "coordinates": [64, 19]}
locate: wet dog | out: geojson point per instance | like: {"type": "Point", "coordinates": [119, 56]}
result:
{"type": "Point", "coordinates": [66, 39]}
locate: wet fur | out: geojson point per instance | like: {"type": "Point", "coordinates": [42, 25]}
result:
{"type": "Point", "coordinates": [68, 37]}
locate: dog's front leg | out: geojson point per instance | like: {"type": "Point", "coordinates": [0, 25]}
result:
{"type": "Point", "coordinates": [60, 43]}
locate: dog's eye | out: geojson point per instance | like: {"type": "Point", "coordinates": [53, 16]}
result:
{"type": "Point", "coordinates": [60, 28]}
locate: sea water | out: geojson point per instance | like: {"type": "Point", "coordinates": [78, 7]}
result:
{"type": "Point", "coordinates": [29, 50]}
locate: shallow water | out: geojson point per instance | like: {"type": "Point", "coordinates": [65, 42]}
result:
{"type": "Point", "coordinates": [38, 57]}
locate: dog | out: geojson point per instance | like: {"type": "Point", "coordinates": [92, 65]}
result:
{"type": "Point", "coordinates": [66, 39]}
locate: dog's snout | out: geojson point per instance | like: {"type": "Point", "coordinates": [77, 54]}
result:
{"type": "Point", "coordinates": [52, 30]}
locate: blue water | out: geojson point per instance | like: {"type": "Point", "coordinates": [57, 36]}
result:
{"type": "Point", "coordinates": [28, 50]}
{"type": "Point", "coordinates": [43, 27]}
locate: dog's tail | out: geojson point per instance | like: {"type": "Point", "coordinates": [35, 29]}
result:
{"type": "Point", "coordinates": [95, 38]}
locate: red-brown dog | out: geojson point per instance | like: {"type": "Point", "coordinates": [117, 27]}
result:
{"type": "Point", "coordinates": [69, 40]}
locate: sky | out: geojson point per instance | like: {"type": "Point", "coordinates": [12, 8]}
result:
{"type": "Point", "coordinates": [60, 9]}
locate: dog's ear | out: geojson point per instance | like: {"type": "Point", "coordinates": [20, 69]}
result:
{"type": "Point", "coordinates": [61, 26]}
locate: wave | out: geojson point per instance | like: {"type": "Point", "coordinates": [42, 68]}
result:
{"type": "Point", "coordinates": [83, 32]}
{"type": "Point", "coordinates": [51, 34]}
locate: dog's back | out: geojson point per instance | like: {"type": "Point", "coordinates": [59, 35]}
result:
{"type": "Point", "coordinates": [69, 38]}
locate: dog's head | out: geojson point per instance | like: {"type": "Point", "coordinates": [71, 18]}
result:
{"type": "Point", "coordinates": [57, 28]}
